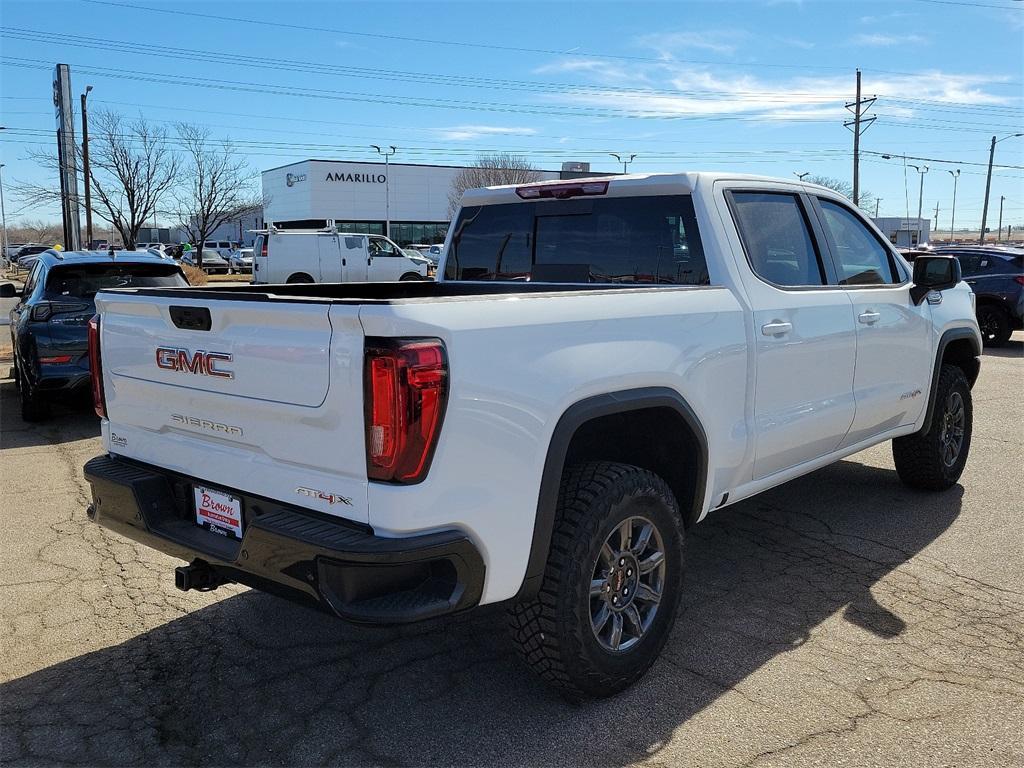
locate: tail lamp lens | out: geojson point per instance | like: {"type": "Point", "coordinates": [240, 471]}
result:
{"type": "Point", "coordinates": [406, 391]}
{"type": "Point", "coordinates": [99, 402]}
{"type": "Point", "coordinates": [1019, 279]}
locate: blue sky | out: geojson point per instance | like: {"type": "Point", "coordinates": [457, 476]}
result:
{"type": "Point", "coordinates": [744, 86]}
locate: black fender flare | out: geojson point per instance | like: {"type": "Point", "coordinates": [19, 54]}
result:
{"type": "Point", "coordinates": [571, 420]}
{"type": "Point", "coordinates": [949, 336]}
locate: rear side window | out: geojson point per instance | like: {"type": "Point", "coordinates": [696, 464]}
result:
{"type": "Point", "coordinates": [626, 240]}
{"type": "Point", "coordinates": [84, 280]}
{"type": "Point", "coordinates": [860, 258]}
{"type": "Point", "coordinates": [777, 238]}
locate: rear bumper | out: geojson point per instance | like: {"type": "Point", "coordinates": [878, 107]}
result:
{"type": "Point", "coordinates": [331, 564]}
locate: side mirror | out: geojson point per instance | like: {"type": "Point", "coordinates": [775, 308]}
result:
{"type": "Point", "coordinates": [933, 273]}
{"type": "Point", "coordinates": [7, 291]}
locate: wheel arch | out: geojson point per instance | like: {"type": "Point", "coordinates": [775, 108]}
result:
{"type": "Point", "coordinates": [959, 347]}
{"type": "Point", "coordinates": [592, 421]}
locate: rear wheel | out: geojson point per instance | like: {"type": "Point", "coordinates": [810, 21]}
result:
{"type": "Point", "coordinates": [934, 460]}
{"type": "Point", "coordinates": [994, 325]}
{"type": "Point", "coordinates": [612, 584]}
{"type": "Point", "coordinates": [301, 277]}
{"type": "Point", "coordinates": [33, 406]}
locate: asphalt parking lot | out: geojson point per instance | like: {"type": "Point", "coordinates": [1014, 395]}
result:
{"type": "Point", "coordinates": [841, 619]}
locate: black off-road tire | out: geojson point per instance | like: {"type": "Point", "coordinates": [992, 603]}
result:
{"type": "Point", "coordinates": [553, 631]}
{"type": "Point", "coordinates": [994, 324]}
{"type": "Point", "coordinates": [921, 461]}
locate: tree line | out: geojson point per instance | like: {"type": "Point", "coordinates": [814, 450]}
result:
{"type": "Point", "coordinates": [136, 165]}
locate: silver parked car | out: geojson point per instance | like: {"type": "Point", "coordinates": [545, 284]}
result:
{"type": "Point", "coordinates": [240, 260]}
{"type": "Point", "coordinates": [213, 262]}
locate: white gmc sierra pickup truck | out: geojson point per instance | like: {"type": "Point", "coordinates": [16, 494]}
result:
{"type": "Point", "coordinates": [600, 364]}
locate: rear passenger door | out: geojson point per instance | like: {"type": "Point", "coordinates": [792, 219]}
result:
{"type": "Point", "coordinates": [803, 330]}
{"type": "Point", "coordinates": [894, 352]}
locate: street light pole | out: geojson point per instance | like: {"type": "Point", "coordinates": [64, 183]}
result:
{"type": "Point", "coordinates": [878, 202]}
{"type": "Point", "coordinates": [921, 170]}
{"type": "Point", "coordinates": [999, 236]}
{"type": "Point", "coordinates": [988, 182]}
{"type": "Point", "coordinates": [626, 162]}
{"type": "Point", "coordinates": [952, 215]}
{"type": "Point", "coordinates": [85, 168]}
{"type": "Point", "coordinates": [801, 175]}
{"type": "Point", "coordinates": [387, 185]}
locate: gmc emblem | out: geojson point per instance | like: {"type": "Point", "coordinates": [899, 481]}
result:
{"type": "Point", "coordinates": [202, 363]}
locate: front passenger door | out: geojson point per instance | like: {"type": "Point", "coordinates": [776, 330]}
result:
{"type": "Point", "coordinates": [894, 353]}
{"type": "Point", "coordinates": [386, 262]}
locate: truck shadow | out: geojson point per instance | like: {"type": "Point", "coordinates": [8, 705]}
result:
{"type": "Point", "coordinates": [254, 680]}
{"type": "Point", "coordinates": [70, 418]}
{"type": "Point", "coordinates": [1013, 348]}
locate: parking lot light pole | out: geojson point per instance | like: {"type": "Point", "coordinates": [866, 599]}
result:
{"type": "Point", "coordinates": [3, 214]}
{"type": "Point", "coordinates": [801, 175]}
{"type": "Point", "coordinates": [625, 162]}
{"type": "Point", "coordinates": [878, 202]}
{"type": "Point", "coordinates": [387, 185]}
{"type": "Point", "coordinates": [988, 182]}
{"type": "Point", "coordinates": [85, 168]}
{"type": "Point", "coordinates": [921, 170]}
{"type": "Point", "coordinates": [952, 216]}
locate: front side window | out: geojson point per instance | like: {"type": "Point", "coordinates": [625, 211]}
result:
{"type": "Point", "coordinates": [630, 240]}
{"type": "Point", "coordinates": [860, 258]}
{"type": "Point", "coordinates": [777, 239]}
{"type": "Point", "coordinates": [380, 247]}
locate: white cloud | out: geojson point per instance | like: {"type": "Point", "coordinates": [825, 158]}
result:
{"type": "Point", "coordinates": [468, 132]}
{"type": "Point", "coordinates": [879, 40]}
{"type": "Point", "coordinates": [686, 91]}
{"type": "Point", "coordinates": [668, 44]}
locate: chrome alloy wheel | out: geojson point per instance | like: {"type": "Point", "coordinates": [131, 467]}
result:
{"type": "Point", "coordinates": [952, 438]}
{"type": "Point", "coordinates": [626, 585]}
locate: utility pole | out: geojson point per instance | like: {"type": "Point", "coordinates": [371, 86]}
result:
{"type": "Point", "coordinates": [988, 182]}
{"type": "Point", "coordinates": [85, 169]}
{"type": "Point", "coordinates": [878, 202]}
{"type": "Point", "coordinates": [999, 236]}
{"type": "Point", "coordinates": [936, 215]}
{"type": "Point", "coordinates": [921, 170]}
{"type": "Point", "coordinates": [626, 162]}
{"type": "Point", "coordinates": [952, 215]}
{"type": "Point", "coordinates": [387, 186]}
{"type": "Point", "coordinates": [801, 175]}
{"type": "Point", "coordinates": [858, 125]}
{"type": "Point", "coordinates": [3, 212]}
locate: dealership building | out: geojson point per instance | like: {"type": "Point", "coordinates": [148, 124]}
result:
{"type": "Point", "coordinates": [361, 197]}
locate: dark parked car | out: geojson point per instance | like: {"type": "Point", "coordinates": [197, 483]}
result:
{"type": "Point", "coordinates": [997, 277]}
{"type": "Point", "coordinates": [26, 251]}
{"type": "Point", "coordinates": [50, 324]}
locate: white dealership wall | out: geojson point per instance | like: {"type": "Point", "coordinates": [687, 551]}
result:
{"type": "Point", "coordinates": [349, 191]}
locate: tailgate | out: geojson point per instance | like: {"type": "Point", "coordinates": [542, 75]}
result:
{"type": "Point", "coordinates": [267, 400]}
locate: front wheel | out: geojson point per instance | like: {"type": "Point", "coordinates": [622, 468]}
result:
{"type": "Point", "coordinates": [934, 460]}
{"type": "Point", "coordinates": [612, 584]}
{"type": "Point", "coordinates": [411, 276]}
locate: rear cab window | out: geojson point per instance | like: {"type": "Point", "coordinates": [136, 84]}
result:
{"type": "Point", "coordinates": [776, 237]}
{"type": "Point", "coordinates": [85, 280]}
{"type": "Point", "coordinates": [650, 240]}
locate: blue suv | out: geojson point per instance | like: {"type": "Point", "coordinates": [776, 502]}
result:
{"type": "Point", "coordinates": [997, 277]}
{"type": "Point", "coordinates": [50, 323]}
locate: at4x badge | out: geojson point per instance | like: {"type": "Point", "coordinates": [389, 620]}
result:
{"type": "Point", "coordinates": [330, 498]}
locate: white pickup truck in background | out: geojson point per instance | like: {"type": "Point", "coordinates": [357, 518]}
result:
{"type": "Point", "coordinates": [600, 364]}
{"type": "Point", "coordinates": [328, 256]}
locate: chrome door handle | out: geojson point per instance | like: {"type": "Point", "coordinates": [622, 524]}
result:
{"type": "Point", "coordinates": [869, 317]}
{"type": "Point", "coordinates": [776, 328]}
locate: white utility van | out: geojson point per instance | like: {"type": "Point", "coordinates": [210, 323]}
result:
{"type": "Point", "coordinates": [304, 256]}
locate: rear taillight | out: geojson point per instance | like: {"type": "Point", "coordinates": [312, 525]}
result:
{"type": "Point", "coordinates": [1019, 279]}
{"type": "Point", "coordinates": [99, 402]}
{"type": "Point", "coordinates": [266, 242]}
{"type": "Point", "coordinates": [406, 391]}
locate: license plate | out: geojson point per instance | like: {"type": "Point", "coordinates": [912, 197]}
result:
{"type": "Point", "coordinates": [218, 512]}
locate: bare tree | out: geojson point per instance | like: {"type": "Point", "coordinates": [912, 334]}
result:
{"type": "Point", "coordinates": [131, 166]}
{"type": "Point", "coordinates": [845, 188]}
{"type": "Point", "coordinates": [36, 231]}
{"type": "Point", "coordinates": [215, 186]}
{"type": "Point", "coordinates": [488, 171]}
